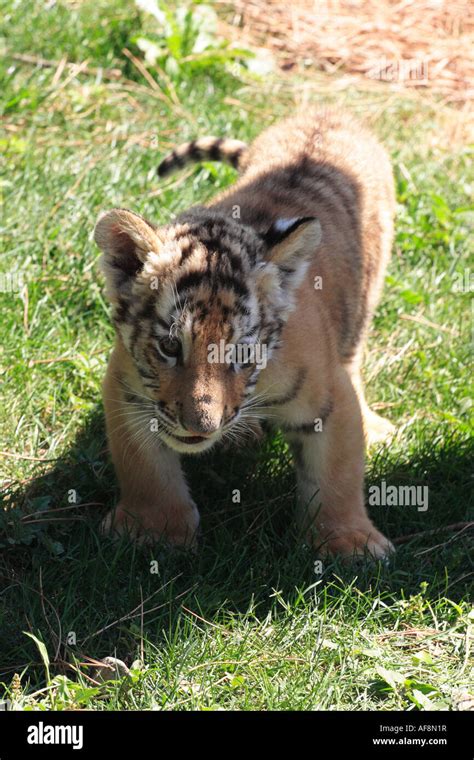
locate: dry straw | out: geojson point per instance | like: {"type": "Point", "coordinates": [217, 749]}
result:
{"type": "Point", "coordinates": [410, 44]}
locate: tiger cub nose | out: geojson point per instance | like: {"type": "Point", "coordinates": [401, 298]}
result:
{"type": "Point", "coordinates": [202, 424]}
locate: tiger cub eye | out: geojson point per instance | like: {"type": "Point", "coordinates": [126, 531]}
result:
{"type": "Point", "coordinates": [170, 346]}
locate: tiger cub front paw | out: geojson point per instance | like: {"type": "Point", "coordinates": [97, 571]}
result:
{"type": "Point", "coordinates": [354, 541]}
{"type": "Point", "coordinates": [177, 525]}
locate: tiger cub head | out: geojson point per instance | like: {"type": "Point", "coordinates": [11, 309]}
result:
{"type": "Point", "coordinates": [199, 305]}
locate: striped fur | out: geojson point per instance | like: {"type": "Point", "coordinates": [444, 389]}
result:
{"type": "Point", "coordinates": [291, 259]}
{"type": "Point", "coordinates": [203, 149]}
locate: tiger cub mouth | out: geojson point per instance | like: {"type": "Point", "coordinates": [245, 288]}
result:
{"type": "Point", "coordinates": [190, 438]}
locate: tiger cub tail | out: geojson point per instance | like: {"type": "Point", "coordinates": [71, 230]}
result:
{"type": "Point", "coordinates": [202, 149]}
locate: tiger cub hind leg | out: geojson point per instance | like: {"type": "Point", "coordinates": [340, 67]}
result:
{"type": "Point", "coordinates": [377, 429]}
{"type": "Point", "coordinates": [330, 476]}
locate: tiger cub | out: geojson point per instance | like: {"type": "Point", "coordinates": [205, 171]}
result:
{"type": "Point", "coordinates": [254, 306]}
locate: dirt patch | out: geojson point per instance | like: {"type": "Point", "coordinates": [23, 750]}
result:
{"type": "Point", "coordinates": [408, 44]}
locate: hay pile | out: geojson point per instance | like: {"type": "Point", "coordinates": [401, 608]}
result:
{"type": "Point", "coordinates": [412, 43]}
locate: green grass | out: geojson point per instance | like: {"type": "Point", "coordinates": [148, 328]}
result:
{"type": "Point", "coordinates": [246, 623]}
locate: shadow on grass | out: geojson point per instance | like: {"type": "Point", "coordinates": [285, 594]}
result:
{"type": "Point", "coordinates": [59, 576]}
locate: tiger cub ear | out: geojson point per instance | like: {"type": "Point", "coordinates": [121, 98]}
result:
{"type": "Point", "coordinates": [126, 240]}
{"type": "Point", "coordinates": [291, 244]}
